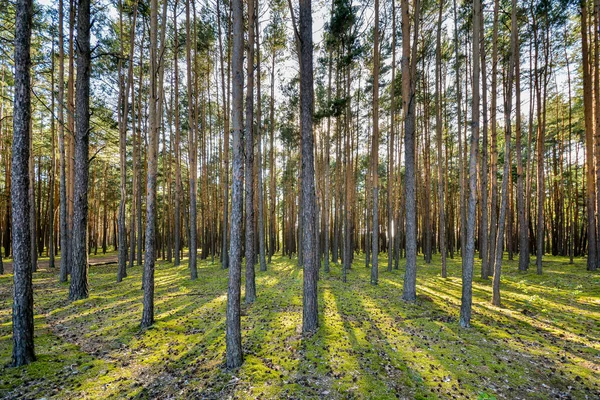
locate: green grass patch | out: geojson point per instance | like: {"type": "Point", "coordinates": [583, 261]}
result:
{"type": "Point", "coordinates": [542, 343]}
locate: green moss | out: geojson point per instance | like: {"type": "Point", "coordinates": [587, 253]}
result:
{"type": "Point", "coordinates": [541, 343]}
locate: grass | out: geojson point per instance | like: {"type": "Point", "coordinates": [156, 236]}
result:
{"type": "Point", "coordinates": [542, 343]}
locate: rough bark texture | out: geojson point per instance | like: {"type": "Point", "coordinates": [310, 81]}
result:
{"type": "Point", "coordinates": [224, 253]}
{"type": "Point", "coordinates": [309, 249]}
{"type": "Point", "coordinates": [259, 163]}
{"type": "Point", "coordinates": [522, 216]}
{"type": "Point", "coordinates": [233, 339]}
{"type": "Point", "coordinates": [589, 141]}
{"type": "Point", "coordinates": [507, 159]}
{"type": "Point", "coordinates": [22, 312]}
{"type": "Point", "coordinates": [408, 104]}
{"type": "Point", "coordinates": [150, 258]}
{"type": "Point", "coordinates": [438, 128]}
{"type": "Point", "coordinates": [63, 226]}
{"type": "Point", "coordinates": [178, 189]}
{"type": "Point", "coordinates": [469, 252]}
{"type": "Point", "coordinates": [375, 152]}
{"type": "Point", "coordinates": [193, 151]}
{"type": "Point", "coordinates": [79, 269]}
{"type": "Point", "coordinates": [249, 145]}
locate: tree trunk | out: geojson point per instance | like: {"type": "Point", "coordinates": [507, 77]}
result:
{"type": "Point", "coordinates": [22, 314]}
{"type": "Point", "coordinates": [375, 152]}
{"type": "Point", "coordinates": [259, 165]}
{"type": "Point", "coordinates": [79, 272]}
{"type": "Point", "coordinates": [309, 247]}
{"type": "Point", "coordinates": [409, 62]}
{"type": "Point", "coordinates": [589, 141]}
{"type": "Point", "coordinates": [193, 149]}
{"type": "Point", "coordinates": [514, 51]}
{"type": "Point", "coordinates": [249, 153]}
{"type": "Point", "coordinates": [233, 337]}
{"type": "Point", "coordinates": [438, 127]}
{"type": "Point", "coordinates": [150, 255]}
{"type": "Point", "coordinates": [469, 252]}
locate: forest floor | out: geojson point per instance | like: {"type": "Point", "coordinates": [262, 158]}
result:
{"type": "Point", "coordinates": [544, 342]}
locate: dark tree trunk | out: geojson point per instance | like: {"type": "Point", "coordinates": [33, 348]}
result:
{"type": "Point", "coordinates": [309, 248]}
{"type": "Point", "coordinates": [22, 316]}
{"type": "Point", "coordinates": [233, 338]}
{"type": "Point", "coordinates": [79, 271]}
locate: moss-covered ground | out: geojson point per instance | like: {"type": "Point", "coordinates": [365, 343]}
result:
{"type": "Point", "coordinates": [544, 342]}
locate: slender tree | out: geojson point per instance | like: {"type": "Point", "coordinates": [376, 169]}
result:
{"type": "Point", "coordinates": [63, 226]}
{"type": "Point", "coordinates": [469, 253]}
{"type": "Point", "coordinates": [249, 153]}
{"type": "Point", "coordinates": [438, 127]}
{"type": "Point", "coordinates": [150, 255]}
{"type": "Point", "coordinates": [507, 157]}
{"type": "Point", "coordinates": [375, 151]}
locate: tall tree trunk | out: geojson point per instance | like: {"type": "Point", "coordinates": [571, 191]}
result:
{"type": "Point", "coordinates": [521, 212]}
{"type": "Point", "coordinates": [514, 51]}
{"type": "Point", "coordinates": [392, 235]}
{"type": "Point", "coordinates": [494, 148]}
{"type": "Point", "coordinates": [79, 272]}
{"type": "Point", "coordinates": [589, 142]}
{"type": "Point", "coordinates": [259, 165]}
{"type": "Point", "coordinates": [52, 172]}
{"type": "Point", "coordinates": [469, 253]}
{"type": "Point", "coordinates": [233, 338]}
{"type": "Point", "coordinates": [409, 62]}
{"type": "Point", "coordinates": [375, 151]}
{"type": "Point", "coordinates": [178, 189]}
{"type": "Point", "coordinates": [249, 153]}
{"type": "Point", "coordinates": [484, 228]}
{"type": "Point", "coordinates": [63, 224]}
{"type": "Point", "coordinates": [192, 148]}
{"type": "Point", "coordinates": [22, 311]}
{"type": "Point", "coordinates": [438, 127]}
{"type": "Point", "coordinates": [310, 319]}
{"type": "Point", "coordinates": [150, 255]}
{"type": "Point", "coordinates": [225, 252]}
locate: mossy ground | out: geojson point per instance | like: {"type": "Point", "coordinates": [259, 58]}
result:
{"type": "Point", "coordinates": [544, 342]}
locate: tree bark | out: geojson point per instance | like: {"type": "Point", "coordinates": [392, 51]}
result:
{"type": "Point", "coordinates": [150, 255]}
{"type": "Point", "coordinates": [408, 105]}
{"type": "Point", "coordinates": [514, 49]}
{"type": "Point", "coordinates": [310, 318]}
{"type": "Point", "coordinates": [589, 142]}
{"type": "Point", "coordinates": [469, 253]}
{"type": "Point", "coordinates": [22, 312]}
{"type": "Point", "coordinates": [438, 126]}
{"type": "Point", "coordinates": [249, 153]}
{"type": "Point", "coordinates": [375, 152]}
{"type": "Point", "coordinates": [79, 272]}
{"type": "Point", "coordinates": [233, 338]}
